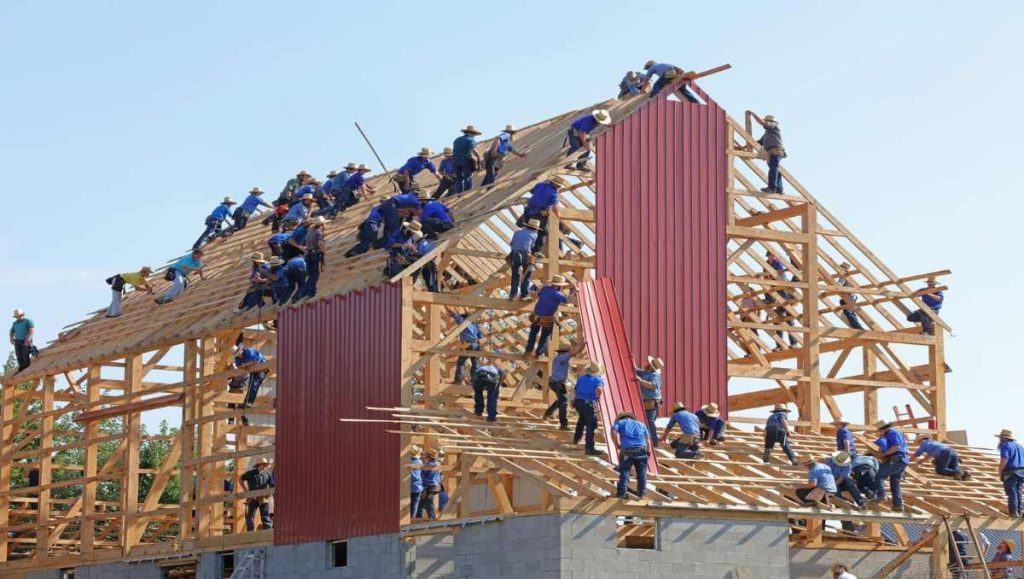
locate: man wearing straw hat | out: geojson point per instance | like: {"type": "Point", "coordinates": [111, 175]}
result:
{"type": "Point", "coordinates": [848, 299]}
{"type": "Point", "coordinates": [545, 313]}
{"type": "Point", "coordinates": [214, 221]}
{"type": "Point", "coordinates": [494, 158]}
{"type": "Point", "coordinates": [348, 192]}
{"type": "Point", "coordinates": [136, 279]}
{"type": "Point", "coordinates": [543, 201]}
{"type": "Point", "coordinates": [487, 379]}
{"type": "Point", "coordinates": [933, 299]}
{"type": "Point", "coordinates": [841, 464]}
{"type": "Point", "coordinates": [945, 460]}
{"type": "Point", "coordinates": [649, 379]}
{"type": "Point", "coordinates": [712, 426]}
{"type": "Point", "coordinates": [258, 478]}
{"type": "Point", "coordinates": [631, 438]}
{"type": "Point", "coordinates": [252, 202]}
{"type": "Point", "coordinates": [894, 461]}
{"type": "Point", "coordinates": [446, 168]}
{"type": "Point", "coordinates": [406, 174]}
{"type": "Point", "coordinates": [557, 382]}
{"type": "Point", "coordinates": [316, 249]}
{"type": "Point", "coordinates": [23, 330]}
{"type": "Point", "coordinates": [589, 388]}
{"type": "Point", "coordinates": [820, 485]}
{"type": "Point", "coordinates": [431, 486]}
{"type": "Point", "coordinates": [631, 85]}
{"type": "Point", "coordinates": [844, 438]}
{"type": "Point", "coordinates": [687, 445]}
{"type": "Point", "coordinates": [771, 142]}
{"type": "Point", "coordinates": [259, 283]}
{"type": "Point", "coordinates": [299, 212]}
{"type": "Point", "coordinates": [578, 136]}
{"type": "Point", "coordinates": [465, 158]}
{"type": "Point", "coordinates": [776, 431]}
{"type": "Point", "coordinates": [1011, 472]}
{"type": "Point", "coordinates": [520, 258]}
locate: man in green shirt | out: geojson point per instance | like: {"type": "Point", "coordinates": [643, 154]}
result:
{"type": "Point", "coordinates": [256, 478]}
{"type": "Point", "coordinates": [22, 332]}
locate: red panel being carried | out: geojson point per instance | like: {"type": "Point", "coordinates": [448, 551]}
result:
{"type": "Point", "coordinates": [661, 219]}
{"type": "Point", "coordinates": [607, 344]}
{"type": "Point", "coordinates": [338, 480]}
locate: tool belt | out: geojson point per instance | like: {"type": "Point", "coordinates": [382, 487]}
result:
{"type": "Point", "coordinates": [579, 401]}
{"type": "Point", "coordinates": [652, 404]}
{"type": "Point", "coordinates": [116, 283]}
{"type": "Point", "coordinates": [688, 439]}
{"type": "Point", "coordinates": [542, 321]}
{"type": "Point", "coordinates": [170, 273]}
{"type": "Point", "coordinates": [633, 451]}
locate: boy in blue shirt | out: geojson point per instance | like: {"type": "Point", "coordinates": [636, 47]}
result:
{"type": "Point", "coordinates": [776, 431]}
{"type": "Point", "coordinates": [487, 379]}
{"type": "Point", "coordinates": [894, 461]}
{"type": "Point", "coordinates": [933, 299]}
{"type": "Point", "coordinates": [406, 174]}
{"type": "Point", "coordinates": [631, 438]}
{"type": "Point", "coordinates": [687, 445]}
{"type": "Point", "coordinates": [712, 425]}
{"type": "Point", "coordinates": [545, 312]}
{"type": "Point", "coordinates": [820, 485]}
{"type": "Point", "coordinates": [1011, 471]}
{"type": "Point", "coordinates": [578, 136]}
{"type": "Point", "coordinates": [435, 216]}
{"type": "Point", "coordinates": [214, 221]}
{"type": "Point", "coordinates": [589, 388]}
{"type": "Point", "coordinates": [842, 471]}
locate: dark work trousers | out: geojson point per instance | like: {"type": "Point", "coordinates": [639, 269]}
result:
{"type": "Point", "coordinates": [276, 249]}
{"type": "Point", "coordinates": [893, 471]}
{"type": "Point", "coordinates": [927, 324]}
{"type": "Point", "coordinates": [463, 175]}
{"type": "Point", "coordinates": [296, 280]}
{"type": "Point", "coordinates": [865, 478]}
{"type": "Point", "coordinates": [254, 298]}
{"type": "Point", "coordinates": [947, 463]}
{"type": "Point", "coordinates": [522, 272]}
{"type": "Point", "coordinates": [1013, 482]}
{"type": "Point", "coordinates": [460, 364]}
{"type": "Point", "coordinates": [492, 166]}
{"type": "Point", "coordinates": [630, 459]}
{"type": "Point", "coordinates": [850, 487]}
{"type": "Point", "coordinates": [775, 435]}
{"type": "Point", "coordinates": [774, 175]}
{"type": "Point", "coordinates": [716, 426]}
{"type": "Point", "coordinates": [851, 316]}
{"type": "Point", "coordinates": [290, 250]}
{"type": "Point", "coordinates": [414, 502]}
{"type": "Point", "coordinates": [212, 226]}
{"type": "Point", "coordinates": [545, 335]}
{"type": "Point", "coordinates": [314, 265]}
{"type": "Point", "coordinates": [241, 218]}
{"type": "Point", "coordinates": [343, 199]}
{"type": "Point", "coordinates": [783, 314]}
{"type": "Point", "coordinates": [429, 273]}
{"type": "Point", "coordinates": [587, 422]}
{"type": "Point", "coordinates": [561, 402]}
{"type": "Point", "coordinates": [444, 186]}
{"type": "Point", "coordinates": [651, 414]}
{"type": "Point", "coordinates": [427, 504]}
{"type": "Point", "coordinates": [392, 220]}
{"type": "Point", "coordinates": [250, 514]}
{"type": "Point", "coordinates": [255, 381]}
{"type": "Point", "coordinates": [21, 352]}
{"type": "Point", "coordinates": [369, 236]}
{"type": "Point", "coordinates": [432, 226]}
{"type": "Point", "coordinates": [684, 450]}
{"type": "Point", "coordinates": [491, 389]}
{"type": "Point", "coordinates": [575, 144]}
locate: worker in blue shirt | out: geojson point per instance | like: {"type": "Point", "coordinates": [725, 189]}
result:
{"type": "Point", "coordinates": [864, 470]}
{"type": "Point", "coordinates": [466, 159]}
{"type": "Point", "coordinates": [248, 207]}
{"type": "Point", "coordinates": [894, 462]}
{"type": "Point", "coordinates": [322, 195]}
{"type": "Point", "coordinates": [296, 243]}
{"type": "Point", "coordinates": [780, 311]}
{"type": "Point", "coordinates": [402, 248]}
{"type": "Point", "coordinates": [649, 380]}
{"type": "Point", "coordinates": [277, 241]}
{"type": "Point", "coordinates": [179, 272]}
{"type": "Point", "coordinates": [542, 321]}
{"type": "Point", "coordinates": [632, 84]}
{"type": "Point", "coordinates": [415, 481]}
{"type": "Point", "coordinates": [469, 338]}
{"type": "Point", "coordinates": [521, 259]}
{"type": "Point", "coordinates": [431, 486]}
{"type": "Point", "coordinates": [544, 200]}
{"type": "Point", "coordinates": [259, 283]}
{"type": "Point", "coordinates": [428, 270]}
{"type": "Point", "coordinates": [945, 459]}
{"type": "Point", "coordinates": [820, 485]}
{"type": "Point", "coordinates": [214, 221]}
{"type": "Point", "coordinates": [397, 208]}
{"type": "Point", "coordinates": [667, 74]}
{"type": "Point", "coordinates": [406, 174]}
{"type": "Point", "coordinates": [687, 444]}
{"type": "Point", "coordinates": [841, 464]}
{"type": "Point", "coordinates": [844, 438]}
{"type": "Point", "coordinates": [352, 190]}
{"type": "Point", "coordinates": [248, 357]}
{"type": "Point", "coordinates": [933, 299]}
{"type": "Point", "coordinates": [712, 426]}
{"type": "Point", "coordinates": [369, 233]}
{"type": "Point", "coordinates": [776, 431]}
{"type": "Point", "coordinates": [848, 299]}
{"type": "Point", "coordinates": [309, 188]}
{"type": "Point", "coordinates": [446, 170]}
{"type": "Point", "coordinates": [1011, 472]}
{"type": "Point", "coordinates": [557, 382]}
{"type": "Point", "coordinates": [435, 217]}
{"type": "Point", "coordinates": [578, 136]}
{"type": "Point", "coordinates": [631, 438]}
{"type": "Point", "coordinates": [295, 274]}
{"type": "Point", "coordinates": [494, 158]}
{"type": "Point", "coordinates": [589, 389]}
{"type": "Point", "coordinates": [299, 212]}
{"type": "Point", "coordinates": [487, 379]}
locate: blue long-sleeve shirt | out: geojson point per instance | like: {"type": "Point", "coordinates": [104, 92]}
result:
{"type": "Point", "coordinates": [658, 69]}
{"type": "Point", "coordinates": [436, 210]}
{"type": "Point", "coordinates": [687, 421]}
{"type": "Point", "coordinates": [930, 447]}
{"type": "Point", "coordinates": [431, 477]}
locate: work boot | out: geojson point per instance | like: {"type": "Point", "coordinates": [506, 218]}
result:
{"type": "Point", "coordinates": [564, 427]}
{"type": "Point", "coordinates": [594, 452]}
{"type": "Point", "coordinates": [897, 508]}
{"type": "Point", "coordinates": [767, 457]}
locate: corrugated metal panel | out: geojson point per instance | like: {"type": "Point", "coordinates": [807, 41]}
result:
{"type": "Point", "coordinates": [338, 480]}
{"type": "Point", "coordinates": [661, 219]}
{"type": "Point", "coordinates": [607, 344]}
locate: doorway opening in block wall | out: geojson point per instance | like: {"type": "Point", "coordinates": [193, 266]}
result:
{"type": "Point", "coordinates": [339, 554]}
{"type": "Point", "coordinates": [227, 563]}
{"type": "Point", "coordinates": [636, 532]}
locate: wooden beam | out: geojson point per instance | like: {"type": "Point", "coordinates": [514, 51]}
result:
{"type": "Point", "coordinates": [138, 406]}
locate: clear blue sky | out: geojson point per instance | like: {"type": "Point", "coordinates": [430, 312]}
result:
{"type": "Point", "coordinates": [124, 123]}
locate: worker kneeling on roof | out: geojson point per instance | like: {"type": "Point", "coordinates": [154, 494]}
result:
{"type": "Point", "coordinates": [945, 459]}
{"type": "Point", "coordinates": [687, 445]}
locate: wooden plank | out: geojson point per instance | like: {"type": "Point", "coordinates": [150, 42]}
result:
{"type": "Point", "coordinates": [137, 406]}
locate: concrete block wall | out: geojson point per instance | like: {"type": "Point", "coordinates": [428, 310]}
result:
{"type": "Point", "coordinates": [818, 562]}
{"type": "Point", "coordinates": [148, 570]}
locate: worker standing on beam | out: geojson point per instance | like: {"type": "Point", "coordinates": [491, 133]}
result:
{"type": "Point", "coordinates": [415, 481]}
{"type": "Point", "coordinates": [687, 445]}
{"type": "Point", "coordinates": [487, 380]}
{"type": "Point", "coordinates": [1011, 472]}
{"type": "Point", "coordinates": [544, 200]}
{"type": "Point", "coordinates": [776, 431]}
{"type": "Point", "coordinates": [178, 274]}
{"type": "Point", "coordinates": [214, 221]}
{"type": "Point", "coordinates": [521, 259]}
{"type": "Point", "coordinates": [631, 437]}
{"type": "Point", "coordinates": [295, 273]}
{"type": "Point", "coordinates": [578, 136]}
{"type": "Point", "coordinates": [560, 366]}
{"type": "Point", "coordinates": [589, 389]}
{"type": "Point", "coordinates": [649, 379]}
{"type": "Point", "coordinates": [466, 159]}
{"type": "Point", "coordinates": [469, 338]}
{"type": "Point", "coordinates": [894, 462]}
{"type": "Point", "coordinates": [933, 299]}
{"type": "Point", "coordinates": [255, 479]}
{"type": "Point", "coordinates": [406, 174]}
{"type": "Point", "coordinates": [250, 357]}
{"type": "Point", "coordinates": [447, 171]}
{"type": "Point", "coordinates": [136, 279]}
{"type": "Point", "coordinates": [395, 210]}
{"type": "Point", "coordinates": [945, 460]}
{"type": "Point", "coordinates": [545, 314]}
{"type": "Point", "coordinates": [841, 464]}
{"type": "Point", "coordinates": [842, 278]}
{"type": "Point", "coordinates": [771, 142]}
{"type": "Point", "coordinates": [712, 426]}
{"type": "Point", "coordinates": [316, 249]}
{"type": "Point", "coordinates": [431, 486]}
{"type": "Point", "coordinates": [494, 158]}
{"type": "Point", "coordinates": [23, 330]}
{"type": "Point", "coordinates": [844, 438]}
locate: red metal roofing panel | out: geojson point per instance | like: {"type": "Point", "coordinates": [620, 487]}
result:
{"type": "Point", "coordinates": [661, 220]}
{"type": "Point", "coordinates": [338, 480]}
{"type": "Point", "coordinates": [607, 344]}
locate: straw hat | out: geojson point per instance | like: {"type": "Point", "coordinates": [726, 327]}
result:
{"type": "Point", "coordinates": [807, 461]}
{"type": "Point", "coordinates": [413, 226]}
{"type": "Point", "coordinates": [769, 118]}
{"type": "Point", "coordinates": [594, 368]}
{"type": "Point", "coordinates": [425, 152]}
{"type": "Point", "coordinates": [602, 116]}
{"type": "Point", "coordinates": [510, 128]}
{"type": "Point", "coordinates": [416, 450]}
{"type": "Point", "coordinates": [448, 151]}
{"type": "Point", "coordinates": [145, 270]}
{"type": "Point", "coordinates": [846, 266]}
{"type": "Point", "coordinates": [657, 363]}
{"type": "Point", "coordinates": [558, 181]}
{"type": "Point", "coordinates": [842, 458]}
{"type": "Point", "coordinates": [471, 130]}
{"type": "Point", "coordinates": [711, 409]}
{"type": "Point", "coordinates": [351, 167]}
{"type": "Point", "coordinates": [275, 261]}
{"type": "Point", "coordinates": [307, 197]}
{"type": "Point", "coordinates": [260, 461]}
{"type": "Point", "coordinates": [843, 422]}
{"type": "Point", "coordinates": [780, 408]}
{"type": "Point", "coordinates": [228, 201]}
{"type": "Point", "coordinates": [303, 173]}
{"type": "Point", "coordinates": [883, 424]}
{"type": "Point", "coordinates": [362, 168]}
{"type": "Point", "coordinates": [19, 313]}
{"type": "Point", "coordinates": [317, 221]}
{"type": "Point", "coordinates": [332, 174]}
{"type": "Point", "coordinates": [256, 191]}
{"type": "Point", "coordinates": [257, 256]}
{"type": "Point", "coordinates": [423, 194]}
{"type": "Point", "coordinates": [432, 453]}
{"type": "Point", "coordinates": [649, 64]}
{"type": "Point", "coordinates": [564, 347]}
{"type": "Point", "coordinates": [533, 224]}
{"type": "Point", "coordinates": [625, 414]}
{"type": "Point", "coordinates": [558, 280]}
{"type": "Point", "coordinates": [1005, 434]}
{"type": "Point", "coordinates": [678, 406]}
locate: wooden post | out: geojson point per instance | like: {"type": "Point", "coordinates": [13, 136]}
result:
{"type": "Point", "coordinates": [43, 506]}
{"type": "Point", "coordinates": [7, 435]}
{"type": "Point", "coordinates": [811, 410]}
{"type": "Point", "coordinates": [937, 371]}
{"type": "Point", "coordinates": [131, 527]}
{"type": "Point", "coordinates": [190, 406]}
{"type": "Point", "coordinates": [408, 359]}
{"type": "Point", "coordinates": [92, 432]}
